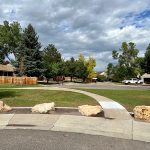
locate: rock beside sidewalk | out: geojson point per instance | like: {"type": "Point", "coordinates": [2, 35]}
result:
{"type": "Point", "coordinates": [43, 108]}
{"type": "Point", "coordinates": [142, 112]}
{"type": "Point", "coordinates": [4, 107]}
{"type": "Point", "coordinates": [88, 110]}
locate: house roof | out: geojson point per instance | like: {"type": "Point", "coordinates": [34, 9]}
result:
{"type": "Point", "coordinates": [7, 68]}
{"type": "Point", "coordinates": [146, 75]}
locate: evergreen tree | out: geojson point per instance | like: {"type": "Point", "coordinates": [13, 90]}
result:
{"type": "Point", "coordinates": [109, 71]}
{"type": "Point", "coordinates": [33, 55]}
{"type": "Point", "coordinates": [71, 68]}
{"type": "Point", "coordinates": [51, 61]}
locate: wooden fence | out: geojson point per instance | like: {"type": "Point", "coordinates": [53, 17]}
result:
{"type": "Point", "coordinates": [18, 80]}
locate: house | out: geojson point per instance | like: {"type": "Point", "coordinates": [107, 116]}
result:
{"type": "Point", "coordinates": [7, 70]}
{"type": "Point", "coordinates": [146, 78]}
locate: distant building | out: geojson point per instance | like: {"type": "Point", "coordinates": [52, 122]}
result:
{"type": "Point", "coordinates": [146, 78]}
{"type": "Point", "coordinates": [102, 73]}
{"type": "Point", "coordinates": [7, 70]}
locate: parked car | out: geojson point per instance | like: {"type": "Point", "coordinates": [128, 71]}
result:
{"type": "Point", "coordinates": [140, 81]}
{"type": "Point", "coordinates": [131, 81]}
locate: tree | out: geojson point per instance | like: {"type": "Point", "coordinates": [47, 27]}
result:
{"type": "Point", "coordinates": [51, 61]}
{"type": "Point", "coordinates": [81, 70]}
{"type": "Point", "coordinates": [90, 64]}
{"type": "Point", "coordinates": [33, 55]}
{"type": "Point", "coordinates": [147, 59]}
{"type": "Point", "coordinates": [10, 36]}
{"type": "Point", "coordinates": [62, 68]}
{"type": "Point", "coordinates": [51, 54]}
{"type": "Point", "coordinates": [82, 58]}
{"type": "Point", "coordinates": [127, 58]}
{"type": "Point", "coordinates": [71, 68]}
{"type": "Point", "coordinates": [2, 56]}
{"type": "Point", "coordinates": [109, 71]}
{"type": "Point", "coordinates": [11, 42]}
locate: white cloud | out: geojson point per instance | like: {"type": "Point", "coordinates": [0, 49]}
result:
{"type": "Point", "coordinates": [94, 27]}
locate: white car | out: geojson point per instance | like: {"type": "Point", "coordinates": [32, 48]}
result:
{"type": "Point", "coordinates": [140, 81]}
{"type": "Point", "coordinates": [131, 81]}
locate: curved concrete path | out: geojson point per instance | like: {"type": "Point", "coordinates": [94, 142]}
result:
{"type": "Point", "coordinates": [111, 108]}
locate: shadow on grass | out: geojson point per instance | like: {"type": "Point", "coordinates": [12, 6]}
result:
{"type": "Point", "coordinates": [7, 94]}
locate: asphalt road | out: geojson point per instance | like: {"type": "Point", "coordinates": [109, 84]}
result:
{"type": "Point", "coordinates": [104, 85]}
{"type": "Point", "coordinates": [49, 140]}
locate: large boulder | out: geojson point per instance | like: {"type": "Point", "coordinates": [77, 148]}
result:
{"type": "Point", "coordinates": [142, 112]}
{"type": "Point", "coordinates": [4, 107]}
{"type": "Point", "coordinates": [88, 110]}
{"type": "Point", "coordinates": [43, 108]}
{"type": "Point", "coordinates": [1, 105]}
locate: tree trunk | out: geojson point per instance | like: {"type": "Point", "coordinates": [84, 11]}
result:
{"type": "Point", "coordinates": [47, 80]}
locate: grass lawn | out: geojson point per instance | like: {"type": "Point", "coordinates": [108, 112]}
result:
{"type": "Point", "coordinates": [31, 97]}
{"type": "Point", "coordinates": [16, 86]}
{"type": "Point", "coordinates": [128, 98]}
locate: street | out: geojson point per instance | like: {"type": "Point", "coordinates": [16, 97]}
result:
{"type": "Point", "coordinates": [102, 85]}
{"type": "Point", "coordinates": [50, 140]}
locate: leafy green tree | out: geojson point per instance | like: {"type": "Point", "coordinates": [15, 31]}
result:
{"type": "Point", "coordinates": [11, 42]}
{"type": "Point", "coordinates": [51, 61]}
{"type": "Point", "coordinates": [127, 57]}
{"type": "Point", "coordinates": [2, 56]}
{"type": "Point", "coordinates": [10, 36]}
{"type": "Point", "coordinates": [81, 70]}
{"type": "Point", "coordinates": [147, 59]}
{"type": "Point", "coordinates": [33, 55]}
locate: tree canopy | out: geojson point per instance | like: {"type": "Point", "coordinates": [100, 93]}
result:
{"type": "Point", "coordinates": [126, 66]}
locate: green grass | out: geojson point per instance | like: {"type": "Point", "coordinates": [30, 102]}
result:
{"type": "Point", "coordinates": [31, 97]}
{"type": "Point", "coordinates": [16, 86]}
{"type": "Point", "coordinates": [128, 98]}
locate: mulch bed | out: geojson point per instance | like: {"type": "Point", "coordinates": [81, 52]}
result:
{"type": "Point", "coordinates": [58, 111]}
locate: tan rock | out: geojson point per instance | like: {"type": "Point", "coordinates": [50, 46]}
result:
{"type": "Point", "coordinates": [88, 110]}
{"type": "Point", "coordinates": [4, 107]}
{"type": "Point", "coordinates": [1, 105]}
{"type": "Point", "coordinates": [43, 108]}
{"type": "Point", "coordinates": [142, 112]}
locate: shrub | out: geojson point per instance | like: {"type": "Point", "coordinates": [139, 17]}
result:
{"type": "Point", "coordinates": [101, 78]}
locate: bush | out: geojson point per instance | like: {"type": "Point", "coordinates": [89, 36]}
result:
{"type": "Point", "coordinates": [101, 78]}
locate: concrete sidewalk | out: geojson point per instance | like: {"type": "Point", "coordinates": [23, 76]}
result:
{"type": "Point", "coordinates": [126, 129]}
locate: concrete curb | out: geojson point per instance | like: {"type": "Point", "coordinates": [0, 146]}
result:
{"type": "Point", "coordinates": [73, 108]}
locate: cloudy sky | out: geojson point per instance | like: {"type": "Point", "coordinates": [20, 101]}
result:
{"type": "Point", "coordinates": [91, 27]}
